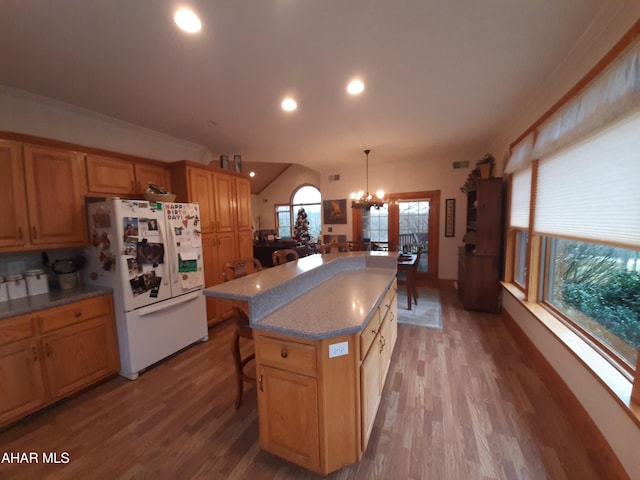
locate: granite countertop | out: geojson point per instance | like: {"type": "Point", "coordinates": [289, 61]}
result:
{"type": "Point", "coordinates": [340, 306]}
{"type": "Point", "coordinates": [54, 298]}
{"type": "Point", "coordinates": [316, 297]}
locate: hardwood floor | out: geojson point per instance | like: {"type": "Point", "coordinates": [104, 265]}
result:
{"type": "Point", "coordinates": [461, 403]}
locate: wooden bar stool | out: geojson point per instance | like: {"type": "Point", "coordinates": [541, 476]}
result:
{"type": "Point", "coordinates": [233, 270]}
{"type": "Point", "coordinates": [283, 256]}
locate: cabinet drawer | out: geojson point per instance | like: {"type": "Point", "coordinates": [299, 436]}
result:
{"type": "Point", "coordinates": [387, 301]}
{"type": "Point", "coordinates": [291, 356]}
{"type": "Point", "coordinates": [369, 333]}
{"type": "Point", "coordinates": [17, 328]}
{"type": "Point", "coordinates": [58, 317]}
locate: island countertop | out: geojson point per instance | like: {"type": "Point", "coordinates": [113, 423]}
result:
{"type": "Point", "coordinates": [316, 297]}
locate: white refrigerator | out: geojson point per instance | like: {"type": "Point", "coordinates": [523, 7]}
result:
{"type": "Point", "coordinates": [150, 254]}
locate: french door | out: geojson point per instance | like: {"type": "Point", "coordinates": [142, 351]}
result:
{"type": "Point", "coordinates": [410, 220]}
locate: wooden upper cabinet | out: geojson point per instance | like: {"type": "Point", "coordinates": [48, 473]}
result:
{"type": "Point", "coordinates": [243, 199]}
{"type": "Point", "coordinates": [224, 203]}
{"type": "Point", "coordinates": [110, 175]}
{"type": "Point", "coordinates": [201, 191]}
{"type": "Point", "coordinates": [489, 216]}
{"type": "Point", "coordinates": [55, 180]}
{"type": "Point", "coordinates": [14, 227]}
{"type": "Point", "coordinates": [123, 177]}
{"type": "Point", "coordinates": [147, 173]}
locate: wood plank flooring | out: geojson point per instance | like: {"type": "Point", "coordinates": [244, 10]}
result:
{"type": "Point", "coordinates": [461, 403]}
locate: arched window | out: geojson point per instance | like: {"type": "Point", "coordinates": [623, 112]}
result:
{"type": "Point", "coordinates": [307, 197]}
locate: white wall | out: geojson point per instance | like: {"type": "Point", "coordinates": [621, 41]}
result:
{"type": "Point", "coordinates": [397, 177]}
{"type": "Point", "coordinates": [437, 174]}
{"type": "Point", "coordinates": [279, 192]}
{"type": "Point", "coordinates": [23, 112]}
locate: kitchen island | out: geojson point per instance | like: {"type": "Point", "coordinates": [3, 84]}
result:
{"type": "Point", "coordinates": [324, 330]}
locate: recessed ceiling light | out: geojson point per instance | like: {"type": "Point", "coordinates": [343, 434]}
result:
{"type": "Point", "coordinates": [355, 87]}
{"type": "Point", "coordinates": [187, 20]}
{"type": "Point", "coordinates": [289, 104]}
{"type": "Point", "coordinates": [252, 174]}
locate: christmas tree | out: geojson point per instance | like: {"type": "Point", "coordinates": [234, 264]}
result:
{"type": "Point", "coordinates": [301, 228]}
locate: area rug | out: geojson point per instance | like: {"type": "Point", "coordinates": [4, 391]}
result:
{"type": "Point", "coordinates": [428, 312]}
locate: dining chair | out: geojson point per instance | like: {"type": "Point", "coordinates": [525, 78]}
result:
{"type": "Point", "coordinates": [283, 256]}
{"type": "Point", "coordinates": [232, 270]}
{"type": "Point", "coordinates": [324, 248]}
{"type": "Point", "coordinates": [409, 278]}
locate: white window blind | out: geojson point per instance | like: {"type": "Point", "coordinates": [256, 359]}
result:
{"type": "Point", "coordinates": [520, 198]}
{"type": "Point", "coordinates": [590, 190]}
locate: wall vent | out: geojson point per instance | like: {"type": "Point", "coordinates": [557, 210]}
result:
{"type": "Point", "coordinates": [334, 178]}
{"type": "Point", "coordinates": [463, 164]}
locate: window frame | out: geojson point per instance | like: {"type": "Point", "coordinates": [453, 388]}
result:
{"type": "Point", "coordinates": [617, 361]}
{"type": "Point", "coordinates": [292, 208]}
{"type": "Point", "coordinates": [595, 356]}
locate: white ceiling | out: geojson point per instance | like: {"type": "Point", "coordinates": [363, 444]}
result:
{"type": "Point", "coordinates": [442, 76]}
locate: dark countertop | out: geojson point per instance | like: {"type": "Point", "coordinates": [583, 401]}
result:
{"type": "Point", "coordinates": [54, 298]}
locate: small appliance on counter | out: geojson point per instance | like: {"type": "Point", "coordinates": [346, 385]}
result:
{"type": "Point", "coordinates": [63, 273]}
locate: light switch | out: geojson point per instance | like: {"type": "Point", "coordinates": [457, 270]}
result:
{"type": "Point", "coordinates": [338, 349]}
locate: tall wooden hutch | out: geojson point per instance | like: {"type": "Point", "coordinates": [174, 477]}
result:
{"type": "Point", "coordinates": [480, 259]}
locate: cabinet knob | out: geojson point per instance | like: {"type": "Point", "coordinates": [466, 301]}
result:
{"type": "Point", "coordinates": [284, 354]}
{"type": "Point", "coordinates": [19, 233]}
{"type": "Point", "coordinates": [34, 231]}
{"type": "Point", "coordinates": [35, 353]}
{"type": "Point", "coordinates": [78, 314]}
{"type": "Point", "coordinates": [260, 384]}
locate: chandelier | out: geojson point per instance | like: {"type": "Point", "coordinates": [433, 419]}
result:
{"type": "Point", "coordinates": [365, 201]}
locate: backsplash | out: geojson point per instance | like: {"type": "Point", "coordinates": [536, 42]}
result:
{"type": "Point", "coordinates": [18, 262]}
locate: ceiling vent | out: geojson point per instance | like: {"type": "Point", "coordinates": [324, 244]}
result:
{"type": "Point", "coordinates": [464, 164]}
{"type": "Point", "coordinates": [334, 178]}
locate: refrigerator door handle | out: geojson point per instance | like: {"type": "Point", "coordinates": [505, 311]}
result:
{"type": "Point", "coordinates": [174, 255]}
{"type": "Point", "coordinates": [165, 280]}
{"type": "Point", "coordinates": [167, 304]}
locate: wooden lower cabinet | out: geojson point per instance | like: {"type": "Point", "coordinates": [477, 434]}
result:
{"type": "Point", "coordinates": [315, 410]}
{"type": "Point", "coordinates": [289, 431]}
{"type": "Point", "coordinates": [52, 353]}
{"type": "Point", "coordinates": [78, 355]}
{"type": "Point", "coordinates": [21, 382]}
{"type": "Point", "coordinates": [217, 249]}
{"type": "Point", "coordinates": [370, 391]}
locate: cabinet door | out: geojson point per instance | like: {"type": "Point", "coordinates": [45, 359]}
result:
{"type": "Point", "coordinates": [21, 385]}
{"type": "Point", "coordinates": [55, 196]}
{"type": "Point", "coordinates": [288, 416]}
{"type": "Point", "coordinates": [245, 244]}
{"type": "Point", "coordinates": [226, 252]}
{"type": "Point", "coordinates": [148, 173]}
{"type": "Point", "coordinates": [14, 226]}
{"type": "Point", "coordinates": [370, 392]}
{"type": "Point", "coordinates": [78, 355]}
{"type": "Point", "coordinates": [225, 204]}
{"type": "Point", "coordinates": [489, 216]}
{"type": "Point", "coordinates": [209, 256]}
{"type": "Point", "coordinates": [201, 191]}
{"type": "Point", "coordinates": [110, 175]}
{"type": "Point", "coordinates": [243, 196]}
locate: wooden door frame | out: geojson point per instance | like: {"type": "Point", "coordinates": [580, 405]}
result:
{"type": "Point", "coordinates": [434, 226]}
